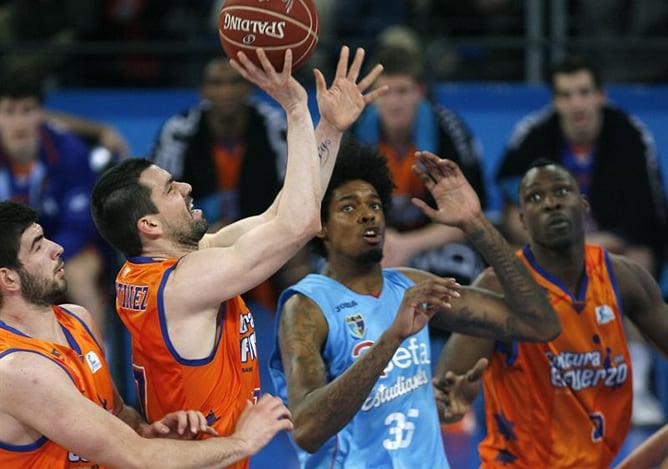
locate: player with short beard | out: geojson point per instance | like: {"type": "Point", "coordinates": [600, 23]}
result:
{"type": "Point", "coordinates": [193, 338]}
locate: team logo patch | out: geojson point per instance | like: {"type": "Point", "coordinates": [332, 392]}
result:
{"type": "Point", "coordinates": [93, 361]}
{"type": "Point", "coordinates": [356, 325]}
{"type": "Point", "coordinates": [604, 314]}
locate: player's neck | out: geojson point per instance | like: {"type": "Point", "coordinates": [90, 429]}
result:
{"type": "Point", "coordinates": [565, 264]}
{"type": "Point", "coordinates": [166, 249]}
{"type": "Point", "coordinates": [34, 320]}
{"type": "Point", "coordinates": [366, 279]}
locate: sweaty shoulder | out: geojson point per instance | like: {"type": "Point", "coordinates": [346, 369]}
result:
{"type": "Point", "coordinates": [636, 285]}
{"type": "Point", "coordinates": [298, 303]}
{"type": "Point", "coordinates": [302, 317]}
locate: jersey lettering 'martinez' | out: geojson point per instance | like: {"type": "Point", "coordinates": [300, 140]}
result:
{"type": "Point", "coordinates": [397, 424]}
{"type": "Point", "coordinates": [565, 403]}
{"type": "Point", "coordinates": [83, 360]}
{"type": "Point", "coordinates": [218, 385]}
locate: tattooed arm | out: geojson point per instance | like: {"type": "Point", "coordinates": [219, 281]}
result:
{"type": "Point", "coordinates": [320, 408]}
{"type": "Point", "coordinates": [522, 310]}
{"type": "Point", "coordinates": [340, 105]}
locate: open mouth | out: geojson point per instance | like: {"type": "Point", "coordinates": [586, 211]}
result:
{"type": "Point", "coordinates": [372, 235]}
{"type": "Point", "coordinates": [558, 222]}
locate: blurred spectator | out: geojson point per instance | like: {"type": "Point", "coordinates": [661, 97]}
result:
{"type": "Point", "coordinates": [613, 157]}
{"type": "Point", "coordinates": [399, 123]}
{"type": "Point", "coordinates": [94, 133]}
{"type": "Point", "coordinates": [231, 148]}
{"type": "Point", "coordinates": [49, 169]}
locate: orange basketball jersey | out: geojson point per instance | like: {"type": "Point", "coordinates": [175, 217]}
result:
{"type": "Point", "coordinates": [83, 360]}
{"type": "Point", "coordinates": [565, 403]}
{"type": "Point", "coordinates": [218, 385]}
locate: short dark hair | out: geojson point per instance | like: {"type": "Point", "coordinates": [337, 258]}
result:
{"type": "Point", "coordinates": [14, 220]}
{"type": "Point", "coordinates": [541, 163]}
{"type": "Point", "coordinates": [400, 61]}
{"type": "Point", "coordinates": [356, 161]}
{"type": "Point", "coordinates": [118, 201]}
{"type": "Point", "coordinates": [17, 84]}
{"type": "Point", "coordinates": [573, 64]}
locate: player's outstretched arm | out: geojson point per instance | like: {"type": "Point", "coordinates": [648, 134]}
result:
{"type": "Point", "coordinates": [523, 312]}
{"type": "Point", "coordinates": [261, 251]}
{"type": "Point", "coordinates": [341, 104]}
{"type": "Point", "coordinates": [44, 401]}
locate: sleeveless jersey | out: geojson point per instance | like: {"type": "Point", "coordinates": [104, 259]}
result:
{"type": "Point", "coordinates": [83, 361]}
{"type": "Point", "coordinates": [564, 403]}
{"type": "Point", "coordinates": [218, 385]}
{"type": "Point", "coordinates": [397, 425]}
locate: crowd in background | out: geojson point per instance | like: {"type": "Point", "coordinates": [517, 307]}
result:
{"type": "Point", "coordinates": [136, 43]}
{"type": "Point", "coordinates": [217, 144]}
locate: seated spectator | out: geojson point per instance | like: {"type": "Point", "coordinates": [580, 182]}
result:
{"type": "Point", "coordinates": [93, 132]}
{"type": "Point", "coordinates": [231, 148]}
{"type": "Point", "coordinates": [49, 169]}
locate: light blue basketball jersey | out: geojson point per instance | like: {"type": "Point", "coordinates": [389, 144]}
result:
{"type": "Point", "coordinates": [397, 426]}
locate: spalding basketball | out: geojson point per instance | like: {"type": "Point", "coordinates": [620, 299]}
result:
{"type": "Point", "coordinates": [273, 25]}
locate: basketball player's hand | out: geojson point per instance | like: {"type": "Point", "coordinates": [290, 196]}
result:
{"type": "Point", "coordinates": [421, 302]}
{"type": "Point", "coordinates": [181, 425]}
{"type": "Point", "coordinates": [344, 101]}
{"type": "Point", "coordinates": [258, 423]}
{"type": "Point", "coordinates": [283, 87]}
{"type": "Point", "coordinates": [456, 201]}
{"type": "Point", "coordinates": [455, 393]}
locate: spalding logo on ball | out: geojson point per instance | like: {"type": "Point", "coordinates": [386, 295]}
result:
{"type": "Point", "coordinates": [273, 25]}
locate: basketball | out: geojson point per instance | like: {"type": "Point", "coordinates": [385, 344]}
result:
{"type": "Point", "coordinates": [273, 25]}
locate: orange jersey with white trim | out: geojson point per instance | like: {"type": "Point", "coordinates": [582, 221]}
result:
{"type": "Point", "coordinates": [218, 385]}
{"type": "Point", "coordinates": [83, 360]}
{"type": "Point", "coordinates": [564, 403]}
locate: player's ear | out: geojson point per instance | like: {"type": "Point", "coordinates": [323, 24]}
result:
{"type": "Point", "coordinates": [9, 279]}
{"type": "Point", "coordinates": [586, 204]}
{"type": "Point", "coordinates": [323, 233]}
{"type": "Point", "coordinates": [520, 214]}
{"type": "Point", "coordinates": [148, 225]}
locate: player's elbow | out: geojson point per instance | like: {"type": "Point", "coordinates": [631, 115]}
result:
{"type": "Point", "coordinates": [304, 227]}
{"type": "Point", "coordinates": [309, 432]}
{"type": "Point", "coordinates": [306, 439]}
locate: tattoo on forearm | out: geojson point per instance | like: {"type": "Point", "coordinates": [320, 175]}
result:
{"type": "Point", "coordinates": [326, 411]}
{"type": "Point", "coordinates": [338, 405]}
{"type": "Point", "coordinates": [323, 150]}
{"type": "Point", "coordinates": [483, 324]}
{"type": "Point", "coordinates": [521, 291]}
